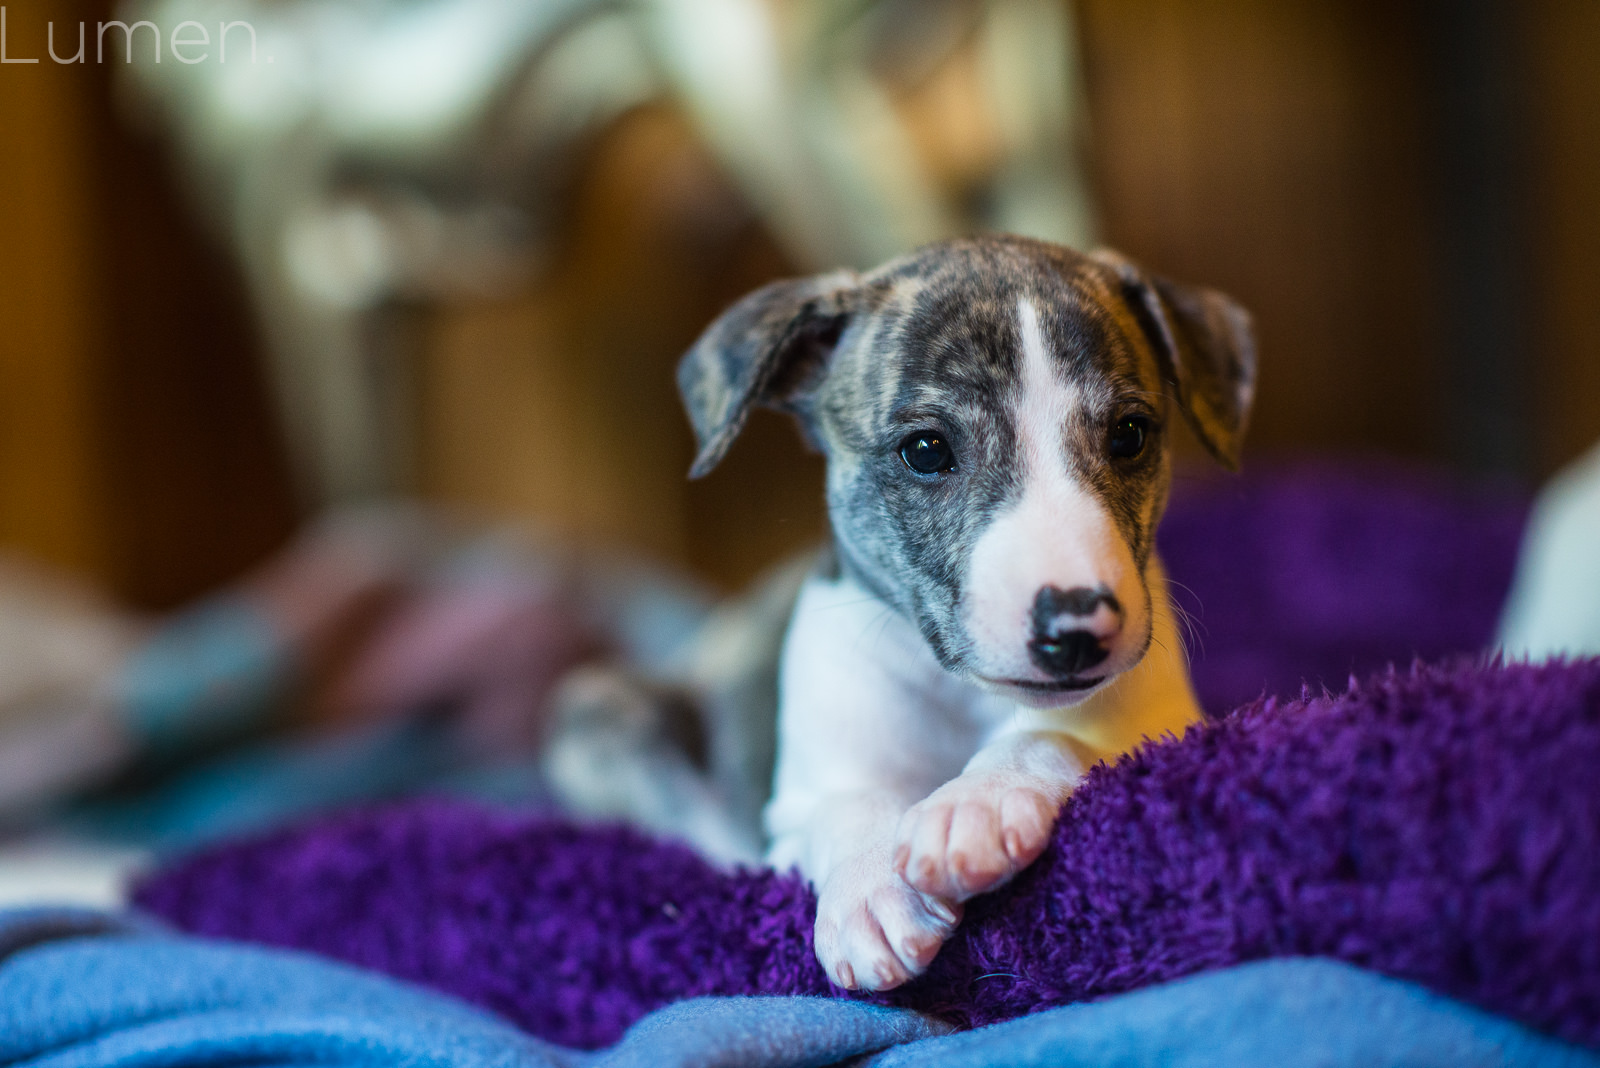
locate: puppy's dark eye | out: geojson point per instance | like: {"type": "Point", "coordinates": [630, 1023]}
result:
{"type": "Point", "coordinates": [1128, 437]}
{"type": "Point", "coordinates": [927, 453]}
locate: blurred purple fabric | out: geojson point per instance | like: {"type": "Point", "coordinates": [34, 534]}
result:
{"type": "Point", "coordinates": [1315, 572]}
{"type": "Point", "coordinates": [1436, 824]}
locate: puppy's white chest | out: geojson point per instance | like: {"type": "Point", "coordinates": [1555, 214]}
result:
{"type": "Point", "coordinates": [858, 684]}
{"type": "Point", "coordinates": [865, 706]}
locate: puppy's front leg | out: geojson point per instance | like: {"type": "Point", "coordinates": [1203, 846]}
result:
{"type": "Point", "coordinates": [979, 829]}
{"type": "Point", "coordinates": [873, 931]}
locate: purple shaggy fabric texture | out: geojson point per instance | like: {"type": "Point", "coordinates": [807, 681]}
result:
{"type": "Point", "coordinates": [1441, 825]}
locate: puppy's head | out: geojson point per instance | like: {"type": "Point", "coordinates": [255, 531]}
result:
{"type": "Point", "coordinates": [995, 415]}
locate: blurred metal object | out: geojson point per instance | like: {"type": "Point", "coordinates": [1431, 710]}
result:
{"type": "Point", "coordinates": [370, 154]}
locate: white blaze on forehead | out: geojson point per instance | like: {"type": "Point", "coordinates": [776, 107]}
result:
{"type": "Point", "coordinates": [1055, 533]}
{"type": "Point", "coordinates": [1045, 403]}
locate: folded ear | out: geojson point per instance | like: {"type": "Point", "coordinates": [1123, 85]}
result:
{"type": "Point", "coordinates": [771, 348]}
{"type": "Point", "coordinates": [1207, 350]}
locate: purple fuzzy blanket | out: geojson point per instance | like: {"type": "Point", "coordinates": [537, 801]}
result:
{"type": "Point", "coordinates": [1440, 824]}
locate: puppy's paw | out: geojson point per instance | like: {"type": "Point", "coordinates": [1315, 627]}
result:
{"type": "Point", "coordinates": [874, 932]}
{"type": "Point", "coordinates": [971, 835]}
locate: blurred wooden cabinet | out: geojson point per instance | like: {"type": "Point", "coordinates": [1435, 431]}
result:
{"type": "Point", "coordinates": [136, 441]}
{"type": "Point", "coordinates": [50, 329]}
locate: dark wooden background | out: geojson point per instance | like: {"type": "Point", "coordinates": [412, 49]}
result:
{"type": "Point", "coordinates": [1404, 193]}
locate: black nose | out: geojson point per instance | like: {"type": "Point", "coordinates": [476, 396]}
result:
{"type": "Point", "coordinates": [1061, 645]}
{"type": "Point", "coordinates": [1050, 604]}
{"type": "Point", "coordinates": [1071, 653]}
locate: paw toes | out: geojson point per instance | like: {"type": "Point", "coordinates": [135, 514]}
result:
{"type": "Point", "coordinates": [887, 973]}
{"type": "Point", "coordinates": [1026, 820]}
{"type": "Point", "coordinates": [919, 949]}
{"type": "Point", "coordinates": [943, 912]}
{"type": "Point", "coordinates": [980, 868]}
{"type": "Point", "coordinates": [873, 964]}
{"type": "Point", "coordinates": [856, 950]}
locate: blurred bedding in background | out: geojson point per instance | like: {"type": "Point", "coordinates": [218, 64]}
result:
{"type": "Point", "coordinates": [338, 440]}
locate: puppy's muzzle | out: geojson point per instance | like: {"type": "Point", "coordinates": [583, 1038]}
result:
{"type": "Point", "coordinates": [1073, 629]}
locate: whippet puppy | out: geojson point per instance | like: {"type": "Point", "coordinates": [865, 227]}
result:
{"type": "Point", "coordinates": [996, 416]}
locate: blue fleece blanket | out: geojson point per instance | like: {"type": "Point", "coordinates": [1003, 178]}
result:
{"type": "Point", "coordinates": [89, 990]}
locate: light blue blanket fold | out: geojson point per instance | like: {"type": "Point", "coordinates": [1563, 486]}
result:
{"type": "Point", "coordinates": [81, 989]}
{"type": "Point", "coordinates": [90, 990]}
{"type": "Point", "coordinates": [1298, 1012]}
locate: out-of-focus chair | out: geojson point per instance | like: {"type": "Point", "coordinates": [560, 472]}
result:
{"type": "Point", "coordinates": [363, 156]}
